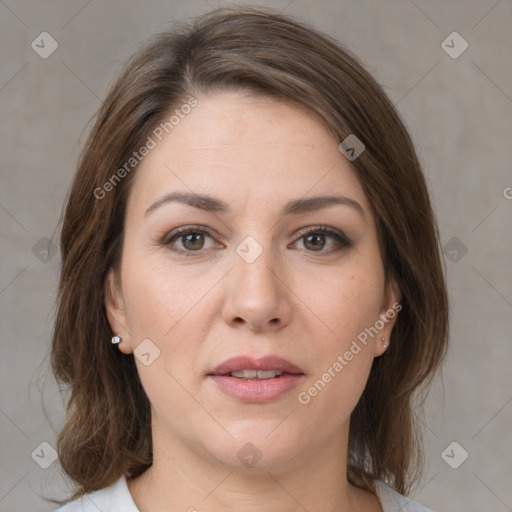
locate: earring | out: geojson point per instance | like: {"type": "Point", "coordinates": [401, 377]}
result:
{"type": "Point", "coordinates": [116, 339]}
{"type": "Point", "coordinates": [385, 345]}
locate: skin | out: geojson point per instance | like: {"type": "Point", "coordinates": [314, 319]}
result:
{"type": "Point", "coordinates": [300, 299]}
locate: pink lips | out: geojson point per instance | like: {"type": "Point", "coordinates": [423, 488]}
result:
{"type": "Point", "coordinates": [256, 391]}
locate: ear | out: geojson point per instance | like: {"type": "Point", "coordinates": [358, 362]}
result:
{"type": "Point", "coordinates": [115, 309]}
{"type": "Point", "coordinates": [389, 311]}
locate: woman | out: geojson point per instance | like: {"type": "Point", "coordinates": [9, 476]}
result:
{"type": "Point", "coordinates": [251, 293]}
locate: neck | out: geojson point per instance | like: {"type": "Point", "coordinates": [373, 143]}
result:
{"type": "Point", "coordinates": [183, 478]}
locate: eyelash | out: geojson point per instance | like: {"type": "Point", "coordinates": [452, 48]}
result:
{"type": "Point", "coordinates": [340, 238]}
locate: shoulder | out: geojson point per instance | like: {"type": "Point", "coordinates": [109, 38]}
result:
{"type": "Point", "coordinates": [112, 499]}
{"type": "Point", "coordinates": [392, 501]}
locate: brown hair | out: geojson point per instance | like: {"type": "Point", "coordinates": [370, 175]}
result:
{"type": "Point", "coordinates": [108, 429]}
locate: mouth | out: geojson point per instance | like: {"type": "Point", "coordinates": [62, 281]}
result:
{"type": "Point", "coordinates": [252, 380]}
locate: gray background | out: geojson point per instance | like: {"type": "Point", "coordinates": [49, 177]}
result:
{"type": "Point", "coordinates": [459, 113]}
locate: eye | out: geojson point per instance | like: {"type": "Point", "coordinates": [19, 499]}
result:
{"type": "Point", "coordinates": [316, 239]}
{"type": "Point", "coordinates": [191, 239]}
{"type": "Point", "coordinates": [188, 240]}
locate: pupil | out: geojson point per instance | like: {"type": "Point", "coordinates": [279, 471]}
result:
{"type": "Point", "coordinates": [194, 238]}
{"type": "Point", "coordinates": [317, 238]}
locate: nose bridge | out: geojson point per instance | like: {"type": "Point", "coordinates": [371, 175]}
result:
{"type": "Point", "coordinates": [257, 295]}
{"type": "Point", "coordinates": [255, 263]}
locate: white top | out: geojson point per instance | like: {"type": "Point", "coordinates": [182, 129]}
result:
{"type": "Point", "coordinates": [117, 498]}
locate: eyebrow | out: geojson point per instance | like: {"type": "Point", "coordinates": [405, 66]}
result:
{"type": "Point", "coordinates": [294, 207]}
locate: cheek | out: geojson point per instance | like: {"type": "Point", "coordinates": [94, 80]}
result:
{"type": "Point", "coordinates": [172, 309]}
{"type": "Point", "coordinates": [157, 297]}
{"type": "Point", "coordinates": [349, 305]}
{"type": "Point", "coordinates": [160, 307]}
{"type": "Point", "coordinates": [150, 311]}
{"type": "Point", "coordinates": [346, 304]}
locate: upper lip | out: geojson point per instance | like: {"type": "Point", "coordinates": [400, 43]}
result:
{"type": "Point", "coordinates": [237, 363]}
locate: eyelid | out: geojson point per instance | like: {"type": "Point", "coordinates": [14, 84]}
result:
{"type": "Point", "coordinates": [323, 229]}
{"type": "Point", "coordinates": [183, 230]}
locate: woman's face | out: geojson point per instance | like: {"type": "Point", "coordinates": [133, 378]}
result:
{"type": "Point", "coordinates": [281, 261]}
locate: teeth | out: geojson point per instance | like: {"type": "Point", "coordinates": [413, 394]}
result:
{"type": "Point", "coordinates": [245, 374]}
{"type": "Point", "coordinates": [268, 374]}
{"type": "Point", "coordinates": [256, 374]}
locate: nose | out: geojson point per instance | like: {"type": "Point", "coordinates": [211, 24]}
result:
{"type": "Point", "coordinates": [258, 296]}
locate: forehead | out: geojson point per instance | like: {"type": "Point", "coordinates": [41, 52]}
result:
{"type": "Point", "coordinates": [246, 149]}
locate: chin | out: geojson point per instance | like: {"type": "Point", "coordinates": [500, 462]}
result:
{"type": "Point", "coordinates": [257, 445]}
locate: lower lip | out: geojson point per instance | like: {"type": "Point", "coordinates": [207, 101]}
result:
{"type": "Point", "coordinates": [256, 391]}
